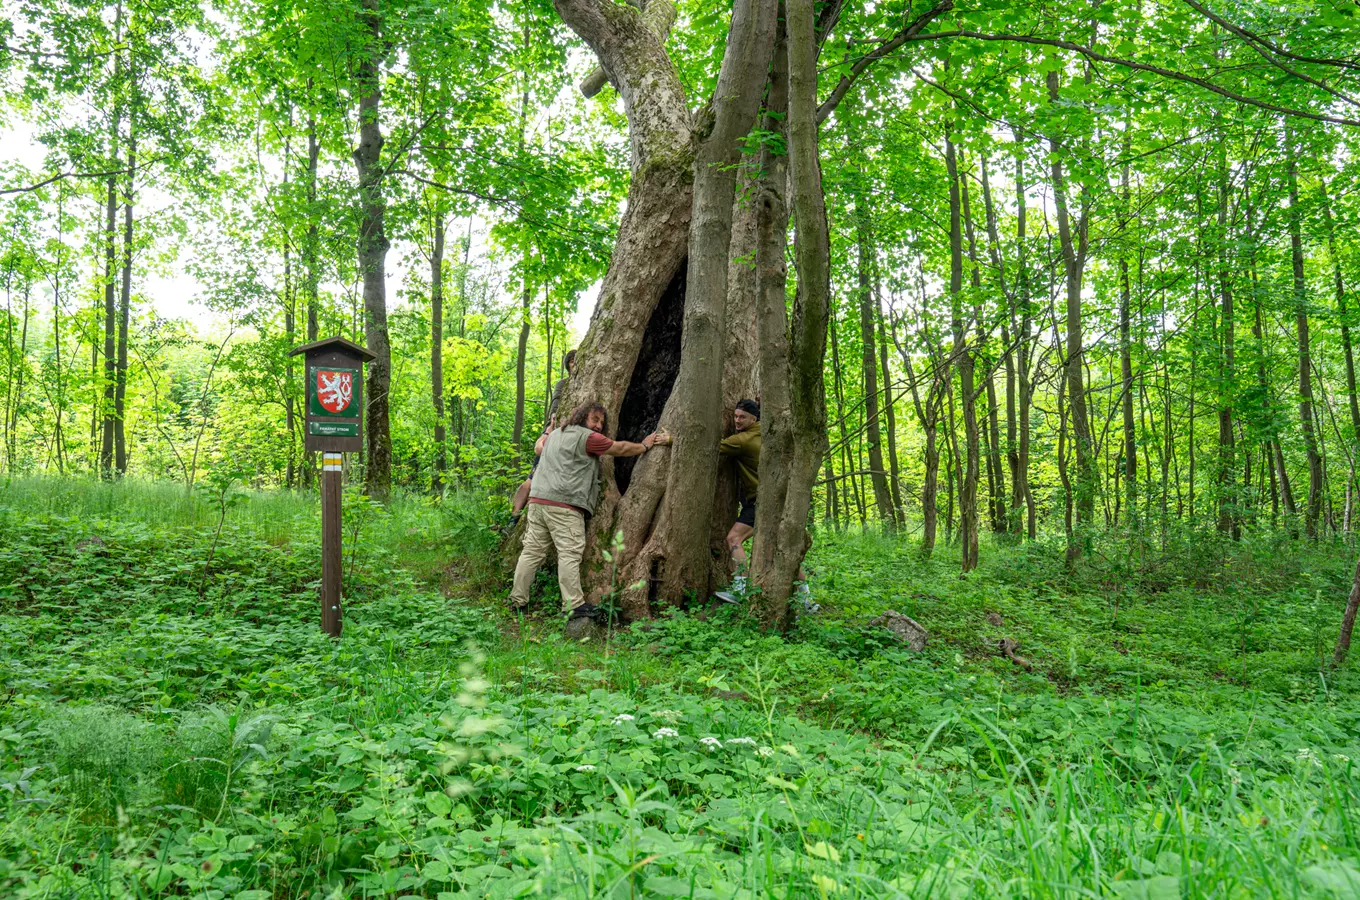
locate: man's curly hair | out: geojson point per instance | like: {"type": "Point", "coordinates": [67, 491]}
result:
{"type": "Point", "coordinates": [580, 414]}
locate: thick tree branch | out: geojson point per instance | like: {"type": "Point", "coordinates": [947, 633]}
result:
{"type": "Point", "coordinates": [907, 33]}
{"type": "Point", "coordinates": [637, 65]}
{"type": "Point", "coordinates": [61, 176]}
{"type": "Point", "coordinates": [1273, 48]}
{"type": "Point", "coordinates": [660, 18]}
{"type": "Point", "coordinates": [1096, 56]}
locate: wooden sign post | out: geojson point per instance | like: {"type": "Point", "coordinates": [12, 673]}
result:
{"type": "Point", "coordinates": [335, 394]}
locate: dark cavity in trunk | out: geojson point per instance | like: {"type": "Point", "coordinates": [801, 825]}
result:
{"type": "Point", "coordinates": [653, 375]}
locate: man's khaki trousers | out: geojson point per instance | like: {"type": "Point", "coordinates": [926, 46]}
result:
{"type": "Point", "coordinates": [563, 530]}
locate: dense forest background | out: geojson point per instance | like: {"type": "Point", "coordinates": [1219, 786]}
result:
{"type": "Point", "coordinates": [1094, 264]}
{"type": "Point", "coordinates": [1080, 445]}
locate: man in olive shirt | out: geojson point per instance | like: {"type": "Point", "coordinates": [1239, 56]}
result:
{"type": "Point", "coordinates": [743, 447]}
{"type": "Point", "coordinates": [566, 489]}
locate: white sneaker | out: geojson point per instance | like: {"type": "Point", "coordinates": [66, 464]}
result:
{"type": "Point", "coordinates": [805, 597]}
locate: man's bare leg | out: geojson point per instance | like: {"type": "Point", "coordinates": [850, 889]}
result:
{"type": "Point", "coordinates": [735, 538]}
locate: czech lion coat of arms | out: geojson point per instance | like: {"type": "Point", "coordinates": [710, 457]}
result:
{"type": "Point", "coordinates": [334, 390]}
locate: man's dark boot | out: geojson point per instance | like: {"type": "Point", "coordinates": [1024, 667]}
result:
{"type": "Point", "coordinates": [583, 622]}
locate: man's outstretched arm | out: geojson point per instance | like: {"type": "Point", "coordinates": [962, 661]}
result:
{"type": "Point", "coordinates": [628, 448]}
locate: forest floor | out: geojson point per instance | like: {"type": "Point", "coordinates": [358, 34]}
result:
{"type": "Point", "coordinates": [167, 733]}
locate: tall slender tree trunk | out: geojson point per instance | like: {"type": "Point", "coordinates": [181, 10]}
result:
{"type": "Point", "coordinates": [110, 327]}
{"type": "Point", "coordinates": [890, 417]}
{"type": "Point", "coordinates": [1126, 360]}
{"type": "Point", "coordinates": [437, 350]}
{"type": "Point", "coordinates": [1306, 420]}
{"type": "Point", "coordinates": [290, 335]}
{"type": "Point", "coordinates": [797, 450]}
{"type": "Point", "coordinates": [1343, 639]}
{"type": "Point", "coordinates": [526, 313]}
{"type": "Point", "coordinates": [927, 414]}
{"type": "Point", "coordinates": [1228, 519]}
{"type": "Point", "coordinates": [1343, 315]}
{"type": "Point", "coordinates": [849, 492]}
{"type": "Point", "coordinates": [1007, 510]}
{"type": "Point", "coordinates": [968, 507]}
{"type": "Point", "coordinates": [15, 400]}
{"type": "Point", "coordinates": [868, 302]}
{"type": "Point", "coordinates": [312, 248]}
{"type": "Point", "coordinates": [996, 479]}
{"type": "Point", "coordinates": [526, 317]}
{"type": "Point", "coordinates": [1024, 342]}
{"type": "Point", "coordinates": [310, 253]}
{"type": "Point", "coordinates": [124, 310]}
{"type": "Point", "coordinates": [1073, 238]}
{"type": "Point", "coordinates": [373, 246]}
{"type": "Point", "coordinates": [60, 387]}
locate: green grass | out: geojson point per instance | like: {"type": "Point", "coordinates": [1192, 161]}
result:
{"type": "Point", "coordinates": [1177, 737]}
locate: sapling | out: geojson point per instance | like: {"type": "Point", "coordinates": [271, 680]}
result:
{"type": "Point", "coordinates": [221, 489]}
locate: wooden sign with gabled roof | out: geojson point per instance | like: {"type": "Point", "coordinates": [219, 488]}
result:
{"type": "Point", "coordinates": [335, 394]}
{"type": "Point", "coordinates": [335, 425]}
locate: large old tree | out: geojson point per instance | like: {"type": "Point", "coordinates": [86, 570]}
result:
{"type": "Point", "coordinates": [673, 340]}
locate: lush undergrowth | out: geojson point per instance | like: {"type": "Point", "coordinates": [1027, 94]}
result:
{"type": "Point", "coordinates": [170, 727]}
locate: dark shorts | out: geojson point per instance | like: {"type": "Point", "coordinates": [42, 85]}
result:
{"type": "Point", "coordinates": [747, 516]}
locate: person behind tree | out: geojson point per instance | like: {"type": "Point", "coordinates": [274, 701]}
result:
{"type": "Point", "coordinates": [743, 448]}
{"type": "Point", "coordinates": [522, 492]}
{"type": "Point", "coordinates": [565, 490]}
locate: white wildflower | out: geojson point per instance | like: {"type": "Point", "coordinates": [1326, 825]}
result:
{"type": "Point", "coordinates": [670, 715]}
{"type": "Point", "coordinates": [665, 733]}
{"type": "Point", "coordinates": [1341, 757]}
{"type": "Point", "coordinates": [585, 768]}
{"type": "Point", "coordinates": [1307, 755]}
{"type": "Point", "coordinates": [621, 718]}
{"type": "Point", "coordinates": [711, 743]}
{"type": "Point", "coordinates": [750, 742]}
{"type": "Point", "coordinates": [764, 752]}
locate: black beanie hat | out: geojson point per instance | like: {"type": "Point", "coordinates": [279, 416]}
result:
{"type": "Point", "coordinates": [749, 406]}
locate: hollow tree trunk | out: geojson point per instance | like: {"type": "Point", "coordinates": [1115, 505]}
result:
{"type": "Point", "coordinates": [373, 246]}
{"type": "Point", "coordinates": [668, 274]}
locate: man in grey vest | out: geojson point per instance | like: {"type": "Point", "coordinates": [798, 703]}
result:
{"type": "Point", "coordinates": [566, 488]}
{"type": "Point", "coordinates": [550, 422]}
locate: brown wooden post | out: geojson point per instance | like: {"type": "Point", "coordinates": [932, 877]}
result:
{"type": "Point", "coordinates": [334, 407]}
{"type": "Point", "coordinates": [332, 615]}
